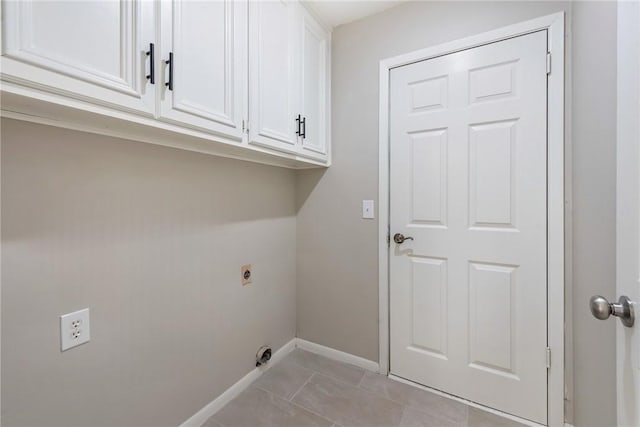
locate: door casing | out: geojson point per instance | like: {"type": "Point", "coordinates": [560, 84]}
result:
{"type": "Point", "coordinates": [554, 24]}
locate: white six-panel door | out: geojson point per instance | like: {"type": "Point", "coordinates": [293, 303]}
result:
{"type": "Point", "coordinates": [468, 296]}
{"type": "Point", "coordinates": [209, 45]}
{"type": "Point", "coordinates": [93, 51]}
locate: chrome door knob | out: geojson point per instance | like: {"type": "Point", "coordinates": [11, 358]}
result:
{"type": "Point", "coordinates": [602, 309]}
{"type": "Point", "coordinates": [399, 238]}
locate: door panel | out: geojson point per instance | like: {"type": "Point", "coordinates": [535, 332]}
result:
{"type": "Point", "coordinates": [428, 314]}
{"type": "Point", "coordinates": [89, 50]}
{"type": "Point", "coordinates": [208, 43]}
{"type": "Point", "coordinates": [492, 82]}
{"type": "Point", "coordinates": [104, 59]}
{"type": "Point", "coordinates": [468, 182]}
{"type": "Point", "coordinates": [274, 74]}
{"type": "Point", "coordinates": [429, 178]}
{"type": "Point", "coordinates": [492, 174]}
{"type": "Point", "coordinates": [628, 212]}
{"type": "Point", "coordinates": [429, 94]}
{"type": "Point", "coordinates": [314, 87]}
{"type": "Point", "coordinates": [492, 332]}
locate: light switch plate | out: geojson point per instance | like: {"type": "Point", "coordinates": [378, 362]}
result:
{"type": "Point", "coordinates": [368, 209]}
{"type": "Point", "coordinates": [74, 329]}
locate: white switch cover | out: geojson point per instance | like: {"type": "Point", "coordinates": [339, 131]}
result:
{"type": "Point", "coordinates": [367, 209]}
{"type": "Point", "coordinates": [74, 329]}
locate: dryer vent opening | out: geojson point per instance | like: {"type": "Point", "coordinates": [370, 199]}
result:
{"type": "Point", "coordinates": [263, 355]}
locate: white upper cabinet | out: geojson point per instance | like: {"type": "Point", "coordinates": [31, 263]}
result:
{"type": "Point", "coordinates": [288, 79]}
{"type": "Point", "coordinates": [274, 100]}
{"type": "Point", "coordinates": [206, 42]}
{"type": "Point", "coordinates": [248, 79]}
{"type": "Point", "coordinates": [94, 51]}
{"type": "Point", "coordinates": [314, 87]}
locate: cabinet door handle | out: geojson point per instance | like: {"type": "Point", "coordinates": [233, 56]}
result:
{"type": "Point", "coordinates": [152, 63]}
{"type": "Point", "coordinates": [298, 122]}
{"type": "Point", "coordinates": [169, 62]}
{"type": "Point", "coordinates": [304, 128]}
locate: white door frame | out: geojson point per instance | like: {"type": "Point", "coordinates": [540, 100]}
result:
{"type": "Point", "coordinates": [554, 24]}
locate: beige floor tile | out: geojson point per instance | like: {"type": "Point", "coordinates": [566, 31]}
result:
{"type": "Point", "coordinates": [425, 401]}
{"type": "Point", "coordinates": [347, 405]}
{"type": "Point", "coordinates": [479, 418]}
{"type": "Point", "coordinates": [416, 418]}
{"type": "Point", "coordinates": [306, 389]}
{"type": "Point", "coordinates": [331, 368]}
{"type": "Point", "coordinates": [212, 423]}
{"type": "Point", "coordinates": [259, 408]}
{"type": "Point", "coordinates": [284, 379]}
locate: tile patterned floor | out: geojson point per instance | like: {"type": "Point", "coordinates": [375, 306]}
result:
{"type": "Point", "coordinates": [306, 389]}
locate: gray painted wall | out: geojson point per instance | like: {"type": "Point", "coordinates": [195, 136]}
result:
{"type": "Point", "coordinates": [337, 274]}
{"type": "Point", "coordinates": [151, 239]}
{"type": "Point", "coordinates": [133, 231]}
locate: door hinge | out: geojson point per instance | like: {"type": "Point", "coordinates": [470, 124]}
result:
{"type": "Point", "coordinates": [548, 351]}
{"type": "Point", "coordinates": [549, 63]}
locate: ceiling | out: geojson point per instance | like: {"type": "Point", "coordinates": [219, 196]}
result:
{"type": "Point", "coordinates": [336, 12]}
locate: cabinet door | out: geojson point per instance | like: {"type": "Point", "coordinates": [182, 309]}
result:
{"type": "Point", "coordinates": [274, 101]}
{"type": "Point", "coordinates": [207, 42]}
{"type": "Point", "coordinates": [314, 87]}
{"type": "Point", "coordinates": [93, 51]}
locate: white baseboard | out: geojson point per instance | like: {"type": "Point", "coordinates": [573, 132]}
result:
{"type": "Point", "coordinates": [232, 392]}
{"type": "Point", "coordinates": [338, 355]}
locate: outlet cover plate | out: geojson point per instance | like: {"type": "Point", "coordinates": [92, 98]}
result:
{"type": "Point", "coordinates": [74, 329]}
{"type": "Point", "coordinates": [245, 272]}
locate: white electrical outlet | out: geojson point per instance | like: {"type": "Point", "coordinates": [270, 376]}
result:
{"type": "Point", "coordinates": [74, 329]}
